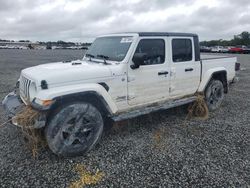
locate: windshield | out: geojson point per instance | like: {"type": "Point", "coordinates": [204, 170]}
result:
{"type": "Point", "coordinates": [112, 48]}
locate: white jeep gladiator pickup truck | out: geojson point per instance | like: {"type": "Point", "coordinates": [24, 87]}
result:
{"type": "Point", "coordinates": [121, 76]}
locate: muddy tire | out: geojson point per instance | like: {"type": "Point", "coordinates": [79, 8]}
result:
{"type": "Point", "coordinates": [214, 94]}
{"type": "Point", "coordinates": [74, 129]}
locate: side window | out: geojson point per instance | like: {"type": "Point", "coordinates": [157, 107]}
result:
{"type": "Point", "coordinates": [182, 50]}
{"type": "Point", "coordinates": [153, 51]}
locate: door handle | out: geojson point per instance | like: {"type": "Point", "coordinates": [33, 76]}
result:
{"type": "Point", "coordinates": [189, 69]}
{"type": "Point", "coordinates": [162, 73]}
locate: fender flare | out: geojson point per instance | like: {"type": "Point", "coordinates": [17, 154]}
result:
{"type": "Point", "coordinates": [84, 92]}
{"type": "Point", "coordinates": [88, 96]}
{"type": "Point", "coordinates": [209, 75]}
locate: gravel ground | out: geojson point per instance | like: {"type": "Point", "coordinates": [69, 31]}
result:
{"type": "Point", "coordinates": [160, 149]}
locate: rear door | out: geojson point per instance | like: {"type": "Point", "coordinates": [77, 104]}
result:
{"type": "Point", "coordinates": [150, 82]}
{"type": "Point", "coordinates": [185, 71]}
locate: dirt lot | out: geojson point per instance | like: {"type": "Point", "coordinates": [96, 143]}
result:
{"type": "Point", "coordinates": [159, 149]}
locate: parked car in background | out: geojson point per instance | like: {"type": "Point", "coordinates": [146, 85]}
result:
{"type": "Point", "coordinates": [237, 49]}
{"type": "Point", "coordinates": [219, 49]}
{"type": "Point", "coordinates": [205, 49]}
{"type": "Point", "coordinates": [215, 49]}
{"type": "Point", "coordinates": [246, 50]}
{"type": "Point", "coordinates": [225, 49]}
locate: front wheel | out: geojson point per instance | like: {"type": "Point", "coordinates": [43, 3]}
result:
{"type": "Point", "coordinates": [74, 129]}
{"type": "Point", "coordinates": [214, 94]}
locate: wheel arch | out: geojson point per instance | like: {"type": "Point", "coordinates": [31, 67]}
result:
{"type": "Point", "coordinates": [217, 75]}
{"type": "Point", "coordinates": [222, 76]}
{"type": "Point", "coordinates": [87, 96]}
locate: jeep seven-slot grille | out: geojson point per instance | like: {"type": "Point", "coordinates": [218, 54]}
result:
{"type": "Point", "coordinates": [24, 87]}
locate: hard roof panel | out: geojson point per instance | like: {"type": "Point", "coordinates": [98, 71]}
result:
{"type": "Point", "coordinates": [145, 34]}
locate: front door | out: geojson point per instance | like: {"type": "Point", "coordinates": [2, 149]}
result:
{"type": "Point", "coordinates": [185, 71]}
{"type": "Point", "coordinates": [150, 82]}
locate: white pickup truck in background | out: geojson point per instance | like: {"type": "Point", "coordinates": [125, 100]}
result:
{"type": "Point", "coordinates": [121, 76]}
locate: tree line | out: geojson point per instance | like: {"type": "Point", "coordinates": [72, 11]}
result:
{"type": "Point", "coordinates": [240, 39]}
{"type": "Point", "coordinates": [62, 44]}
{"type": "Point", "coordinates": [50, 43]}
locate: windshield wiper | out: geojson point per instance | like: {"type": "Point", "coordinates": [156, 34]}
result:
{"type": "Point", "coordinates": [90, 56]}
{"type": "Point", "coordinates": [104, 57]}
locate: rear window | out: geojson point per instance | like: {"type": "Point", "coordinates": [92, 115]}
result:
{"type": "Point", "coordinates": [182, 50]}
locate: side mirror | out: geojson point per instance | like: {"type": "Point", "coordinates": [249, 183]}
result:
{"type": "Point", "coordinates": [138, 59]}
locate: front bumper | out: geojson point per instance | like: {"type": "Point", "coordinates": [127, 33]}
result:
{"type": "Point", "coordinates": [13, 105]}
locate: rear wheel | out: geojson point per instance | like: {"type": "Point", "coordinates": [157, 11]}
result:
{"type": "Point", "coordinates": [74, 129]}
{"type": "Point", "coordinates": [214, 94]}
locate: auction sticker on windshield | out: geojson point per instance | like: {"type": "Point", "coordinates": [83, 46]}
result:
{"type": "Point", "coordinates": [126, 40]}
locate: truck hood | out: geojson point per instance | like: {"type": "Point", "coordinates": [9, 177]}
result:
{"type": "Point", "coordinates": [64, 72]}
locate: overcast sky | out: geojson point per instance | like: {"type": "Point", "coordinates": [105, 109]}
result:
{"type": "Point", "coordinates": [82, 20]}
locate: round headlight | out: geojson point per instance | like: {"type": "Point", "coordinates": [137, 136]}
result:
{"type": "Point", "coordinates": [32, 91]}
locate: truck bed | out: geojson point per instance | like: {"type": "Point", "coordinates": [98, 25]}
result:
{"type": "Point", "coordinates": [213, 63]}
{"type": "Point", "coordinates": [212, 56]}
